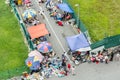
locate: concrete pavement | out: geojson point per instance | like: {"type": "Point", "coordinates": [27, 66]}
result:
{"type": "Point", "coordinates": [57, 39]}
{"type": "Point", "coordinates": [94, 71]}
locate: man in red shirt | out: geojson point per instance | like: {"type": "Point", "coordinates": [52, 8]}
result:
{"type": "Point", "coordinates": [69, 66]}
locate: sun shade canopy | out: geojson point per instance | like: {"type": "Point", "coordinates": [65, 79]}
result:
{"type": "Point", "coordinates": [78, 41]}
{"type": "Point", "coordinates": [65, 7]}
{"type": "Point", "coordinates": [37, 31]}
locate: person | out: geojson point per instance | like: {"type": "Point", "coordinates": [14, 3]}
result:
{"type": "Point", "coordinates": [49, 34]}
{"type": "Point", "coordinates": [59, 62]}
{"type": "Point", "coordinates": [117, 57]}
{"type": "Point", "coordinates": [41, 12]}
{"type": "Point", "coordinates": [48, 3]}
{"type": "Point", "coordinates": [73, 70]}
{"type": "Point", "coordinates": [100, 56]}
{"type": "Point", "coordinates": [69, 66]}
{"type": "Point", "coordinates": [64, 65]}
{"type": "Point", "coordinates": [59, 23]}
{"type": "Point", "coordinates": [97, 60]}
{"type": "Point", "coordinates": [73, 58]}
{"type": "Point", "coordinates": [106, 59]}
{"type": "Point", "coordinates": [40, 1]}
{"type": "Point", "coordinates": [34, 22]}
{"type": "Point", "coordinates": [93, 59]}
{"type": "Point", "coordinates": [68, 17]}
{"type": "Point", "coordinates": [53, 53]}
{"type": "Point", "coordinates": [63, 56]}
{"type": "Point", "coordinates": [60, 1]}
{"type": "Point", "coordinates": [112, 55]}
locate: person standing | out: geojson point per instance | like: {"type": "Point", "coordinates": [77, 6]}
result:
{"type": "Point", "coordinates": [117, 58]}
{"type": "Point", "coordinates": [64, 57]}
{"type": "Point", "coordinates": [64, 65]}
{"type": "Point", "coordinates": [48, 3]}
{"type": "Point", "coordinates": [112, 56]}
{"type": "Point", "coordinates": [69, 66]}
{"type": "Point", "coordinates": [39, 1]}
{"type": "Point", "coordinates": [73, 70]}
{"type": "Point", "coordinates": [106, 59]}
{"type": "Point", "coordinates": [49, 34]}
{"type": "Point", "coordinates": [41, 12]}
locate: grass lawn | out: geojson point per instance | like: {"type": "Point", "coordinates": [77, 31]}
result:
{"type": "Point", "coordinates": [13, 50]}
{"type": "Point", "coordinates": [101, 17]}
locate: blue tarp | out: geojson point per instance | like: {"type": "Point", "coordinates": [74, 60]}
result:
{"type": "Point", "coordinates": [65, 7]}
{"type": "Point", "coordinates": [77, 42]}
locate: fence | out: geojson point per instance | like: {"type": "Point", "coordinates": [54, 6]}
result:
{"type": "Point", "coordinates": [23, 27]}
{"type": "Point", "coordinates": [107, 42]}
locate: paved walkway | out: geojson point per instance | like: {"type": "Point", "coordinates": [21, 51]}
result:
{"type": "Point", "coordinates": [94, 71]}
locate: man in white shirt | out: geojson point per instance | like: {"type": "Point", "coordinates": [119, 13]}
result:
{"type": "Point", "coordinates": [106, 59]}
{"type": "Point", "coordinates": [117, 57]}
{"type": "Point", "coordinates": [41, 12]}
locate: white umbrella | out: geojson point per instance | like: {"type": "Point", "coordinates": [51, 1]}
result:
{"type": "Point", "coordinates": [37, 55]}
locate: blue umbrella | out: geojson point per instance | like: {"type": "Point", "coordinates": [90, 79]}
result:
{"type": "Point", "coordinates": [35, 65]}
{"type": "Point", "coordinates": [29, 61]}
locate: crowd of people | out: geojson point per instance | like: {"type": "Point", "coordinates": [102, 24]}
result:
{"type": "Point", "coordinates": [32, 21]}
{"type": "Point", "coordinates": [57, 15]}
{"type": "Point", "coordinates": [37, 41]}
{"type": "Point", "coordinates": [52, 65]}
{"type": "Point", "coordinates": [104, 56]}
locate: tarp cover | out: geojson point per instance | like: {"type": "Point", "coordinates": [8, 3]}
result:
{"type": "Point", "coordinates": [65, 7]}
{"type": "Point", "coordinates": [76, 42]}
{"type": "Point", "coordinates": [37, 31]}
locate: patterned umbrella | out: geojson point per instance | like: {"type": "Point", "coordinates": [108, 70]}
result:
{"type": "Point", "coordinates": [29, 61]}
{"type": "Point", "coordinates": [37, 55]}
{"type": "Point", "coordinates": [32, 63]}
{"type": "Point", "coordinates": [35, 65]}
{"type": "Point", "coordinates": [44, 47]}
{"type": "Point", "coordinates": [30, 13]}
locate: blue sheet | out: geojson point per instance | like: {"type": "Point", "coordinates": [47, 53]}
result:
{"type": "Point", "coordinates": [77, 42]}
{"type": "Point", "coordinates": [65, 7]}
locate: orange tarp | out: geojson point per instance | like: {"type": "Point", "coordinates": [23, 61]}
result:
{"type": "Point", "coordinates": [37, 31]}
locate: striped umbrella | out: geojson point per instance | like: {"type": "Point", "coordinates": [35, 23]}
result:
{"type": "Point", "coordinates": [44, 47]}
{"type": "Point", "coordinates": [30, 13]}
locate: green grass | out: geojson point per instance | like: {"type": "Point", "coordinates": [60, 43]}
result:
{"type": "Point", "coordinates": [101, 17]}
{"type": "Point", "coordinates": [13, 50]}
